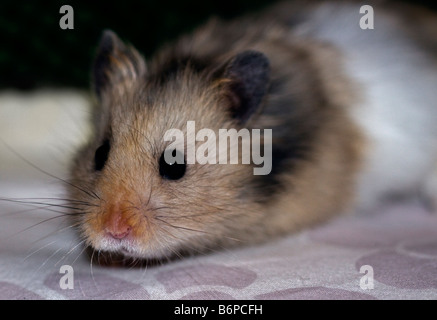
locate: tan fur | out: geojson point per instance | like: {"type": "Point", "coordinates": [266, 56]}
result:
{"type": "Point", "coordinates": [213, 206]}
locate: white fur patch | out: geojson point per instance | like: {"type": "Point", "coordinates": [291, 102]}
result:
{"type": "Point", "coordinates": [398, 107]}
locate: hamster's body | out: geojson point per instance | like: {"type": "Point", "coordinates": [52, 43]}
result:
{"type": "Point", "coordinates": [396, 110]}
{"type": "Point", "coordinates": [352, 112]}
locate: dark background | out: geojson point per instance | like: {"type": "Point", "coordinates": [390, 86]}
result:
{"type": "Point", "coordinates": [35, 52]}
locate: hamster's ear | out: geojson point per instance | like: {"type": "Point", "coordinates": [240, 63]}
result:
{"type": "Point", "coordinates": [249, 75]}
{"type": "Point", "coordinates": [115, 63]}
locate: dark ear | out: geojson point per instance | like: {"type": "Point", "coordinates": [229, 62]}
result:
{"type": "Point", "coordinates": [249, 75]}
{"type": "Point", "coordinates": [115, 63]}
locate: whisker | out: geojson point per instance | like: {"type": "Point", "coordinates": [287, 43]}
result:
{"type": "Point", "coordinates": [33, 226]}
{"type": "Point", "coordinates": [57, 232]}
{"type": "Point", "coordinates": [89, 193]}
{"type": "Point", "coordinates": [178, 238]}
{"type": "Point", "coordinates": [70, 251]}
{"type": "Point", "coordinates": [91, 264]}
{"type": "Point", "coordinates": [198, 250]}
{"type": "Point", "coordinates": [45, 261]}
{"type": "Point", "coordinates": [36, 251]}
{"type": "Point", "coordinates": [168, 247]}
{"type": "Point", "coordinates": [47, 244]}
{"type": "Point", "coordinates": [81, 202]}
{"type": "Point", "coordinates": [12, 213]}
{"type": "Point", "coordinates": [80, 254]}
{"type": "Point", "coordinates": [195, 230]}
{"type": "Point", "coordinates": [24, 202]}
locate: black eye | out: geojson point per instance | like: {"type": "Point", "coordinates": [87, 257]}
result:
{"type": "Point", "coordinates": [101, 155]}
{"type": "Point", "coordinates": [172, 170]}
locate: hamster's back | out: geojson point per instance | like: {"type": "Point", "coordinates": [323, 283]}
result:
{"type": "Point", "coordinates": [395, 67]}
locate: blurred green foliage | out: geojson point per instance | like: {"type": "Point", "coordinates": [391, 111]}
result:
{"type": "Point", "coordinates": [36, 52]}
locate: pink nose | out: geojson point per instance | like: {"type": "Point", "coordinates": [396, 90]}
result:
{"type": "Point", "coordinates": [120, 233]}
{"type": "Point", "coordinates": [116, 222]}
{"type": "Point", "coordinates": [117, 226]}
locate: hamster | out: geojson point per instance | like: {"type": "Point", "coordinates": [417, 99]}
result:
{"type": "Point", "coordinates": [352, 112]}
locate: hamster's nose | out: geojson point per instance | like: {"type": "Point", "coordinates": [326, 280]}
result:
{"type": "Point", "coordinates": [120, 233]}
{"type": "Point", "coordinates": [117, 226]}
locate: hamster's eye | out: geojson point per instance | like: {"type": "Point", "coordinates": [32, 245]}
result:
{"type": "Point", "coordinates": [101, 155]}
{"type": "Point", "coordinates": [172, 170]}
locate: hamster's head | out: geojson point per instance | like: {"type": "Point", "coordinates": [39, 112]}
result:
{"type": "Point", "coordinates": [133, 200]}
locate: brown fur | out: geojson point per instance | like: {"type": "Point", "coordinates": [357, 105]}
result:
{"type": "Point", "coordinates": [217, 205]}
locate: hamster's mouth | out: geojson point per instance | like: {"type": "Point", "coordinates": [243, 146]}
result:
{"type": "Point", "coordinates": [128, 252]}
{"type": "Point", "coordinates": [130, 248]}
{"type": "Point", "coordinates": [127, 248]}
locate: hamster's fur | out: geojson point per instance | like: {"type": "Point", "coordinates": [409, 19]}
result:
{"type": "Point", "coordinates": [353, 114]}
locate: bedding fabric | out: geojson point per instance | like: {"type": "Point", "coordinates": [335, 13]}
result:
{"type": "Point", "coordinates": [390, 253]}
